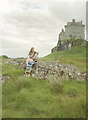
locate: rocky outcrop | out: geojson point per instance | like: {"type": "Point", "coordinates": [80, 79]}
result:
{"type": "Point", "coordinates": [43, 70]}
{"type": "Point", "coordinates": [61, 46]}
{"type": "Point", "coordinates": [67, 44]}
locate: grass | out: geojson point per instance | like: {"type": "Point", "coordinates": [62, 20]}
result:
{"type": "Point", "coordinates": [55, 84]}
{"type": "Point", "coordinates": [0, 90]}
{"type": "Point", "coordinates": [24, 97]}
{"type": "Point", "coordinates": [76, 56]}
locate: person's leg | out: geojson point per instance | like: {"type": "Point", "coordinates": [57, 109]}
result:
{"type": "Point", "coordinates": [27, 72]}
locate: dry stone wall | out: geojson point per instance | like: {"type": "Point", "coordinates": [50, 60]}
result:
{"type": "Point", "coordinates": [43, 70]}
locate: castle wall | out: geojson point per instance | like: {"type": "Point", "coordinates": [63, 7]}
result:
{"type": "Point", "coordinates": [74, 30]}
{"type": "Point", "coordinates": [62, 36]}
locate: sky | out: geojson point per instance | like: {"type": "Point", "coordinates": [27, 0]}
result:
{"type": "Point", "coordinates": [35, 23]}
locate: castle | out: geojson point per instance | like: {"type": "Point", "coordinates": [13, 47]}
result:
{"type": "Point", "coordinates": [72, 29]}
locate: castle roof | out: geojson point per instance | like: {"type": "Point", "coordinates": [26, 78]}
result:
{"type": "Point", "coordinates": [74, 23]}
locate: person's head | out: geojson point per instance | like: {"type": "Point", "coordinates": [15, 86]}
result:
{"type": "Point", "coordinates": [32, 49]}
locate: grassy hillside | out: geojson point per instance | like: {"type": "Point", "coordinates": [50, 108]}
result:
{"type": "Point", "coordinates": [25, 97]}
{"type": "Point", "coordinates": [0, 89]}
{"type": "Point", "coordinates": [76, 56]}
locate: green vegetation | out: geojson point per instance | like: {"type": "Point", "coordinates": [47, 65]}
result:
{"type": "Point", "coordinates": [4, 56]}
{"type": "Point", "coordinates": [75, 56]}
{"type": "Point", "coordinates": [27, 97]}
{"type": "Point", "coordinates": [0, 89]}
{"type": "Point", "coordinates": [55, 84]}
{"type": "Point", "coordinates": [74, 41]}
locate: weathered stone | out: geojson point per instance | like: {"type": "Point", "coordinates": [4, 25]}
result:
{"type": "Point", "coordinates": [44, 69]}
{"type": "Point", "coordinates": [4, 78]}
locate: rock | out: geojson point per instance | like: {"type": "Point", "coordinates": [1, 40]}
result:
{"type": "Point", "coordinates": [4, 78]}
{"type": "Point", "coordinates": [43, 69]}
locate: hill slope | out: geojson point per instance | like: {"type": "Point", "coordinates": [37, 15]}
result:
{"type": "Point", "coordinates": [76, 56]}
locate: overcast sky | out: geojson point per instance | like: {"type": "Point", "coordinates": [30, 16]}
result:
{"type": "Point", "coordinates": [28, 23]}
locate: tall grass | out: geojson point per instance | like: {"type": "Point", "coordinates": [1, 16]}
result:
{"type": "Point", "coordinates": [27, 97]}
{"type": "Point", "coordinates": [55, 84]}
{"type": "Point", "coordinates": [0, 89]}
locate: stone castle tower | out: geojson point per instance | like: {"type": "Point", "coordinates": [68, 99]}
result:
{"type": "Point", "coordinates": [73, 28]}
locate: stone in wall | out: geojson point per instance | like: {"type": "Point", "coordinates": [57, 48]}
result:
{"type": "Point", "coordinates": [20, 62]}
{"type": "Point", "coordinates": [43, 70]}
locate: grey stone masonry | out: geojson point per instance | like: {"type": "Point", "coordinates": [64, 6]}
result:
{"type": "Point", "coordinates": [76, 29]}
{"type": "Point", "coordinates": [73, 30]}
{"type": "Point", "coordinates": [42, 70]}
